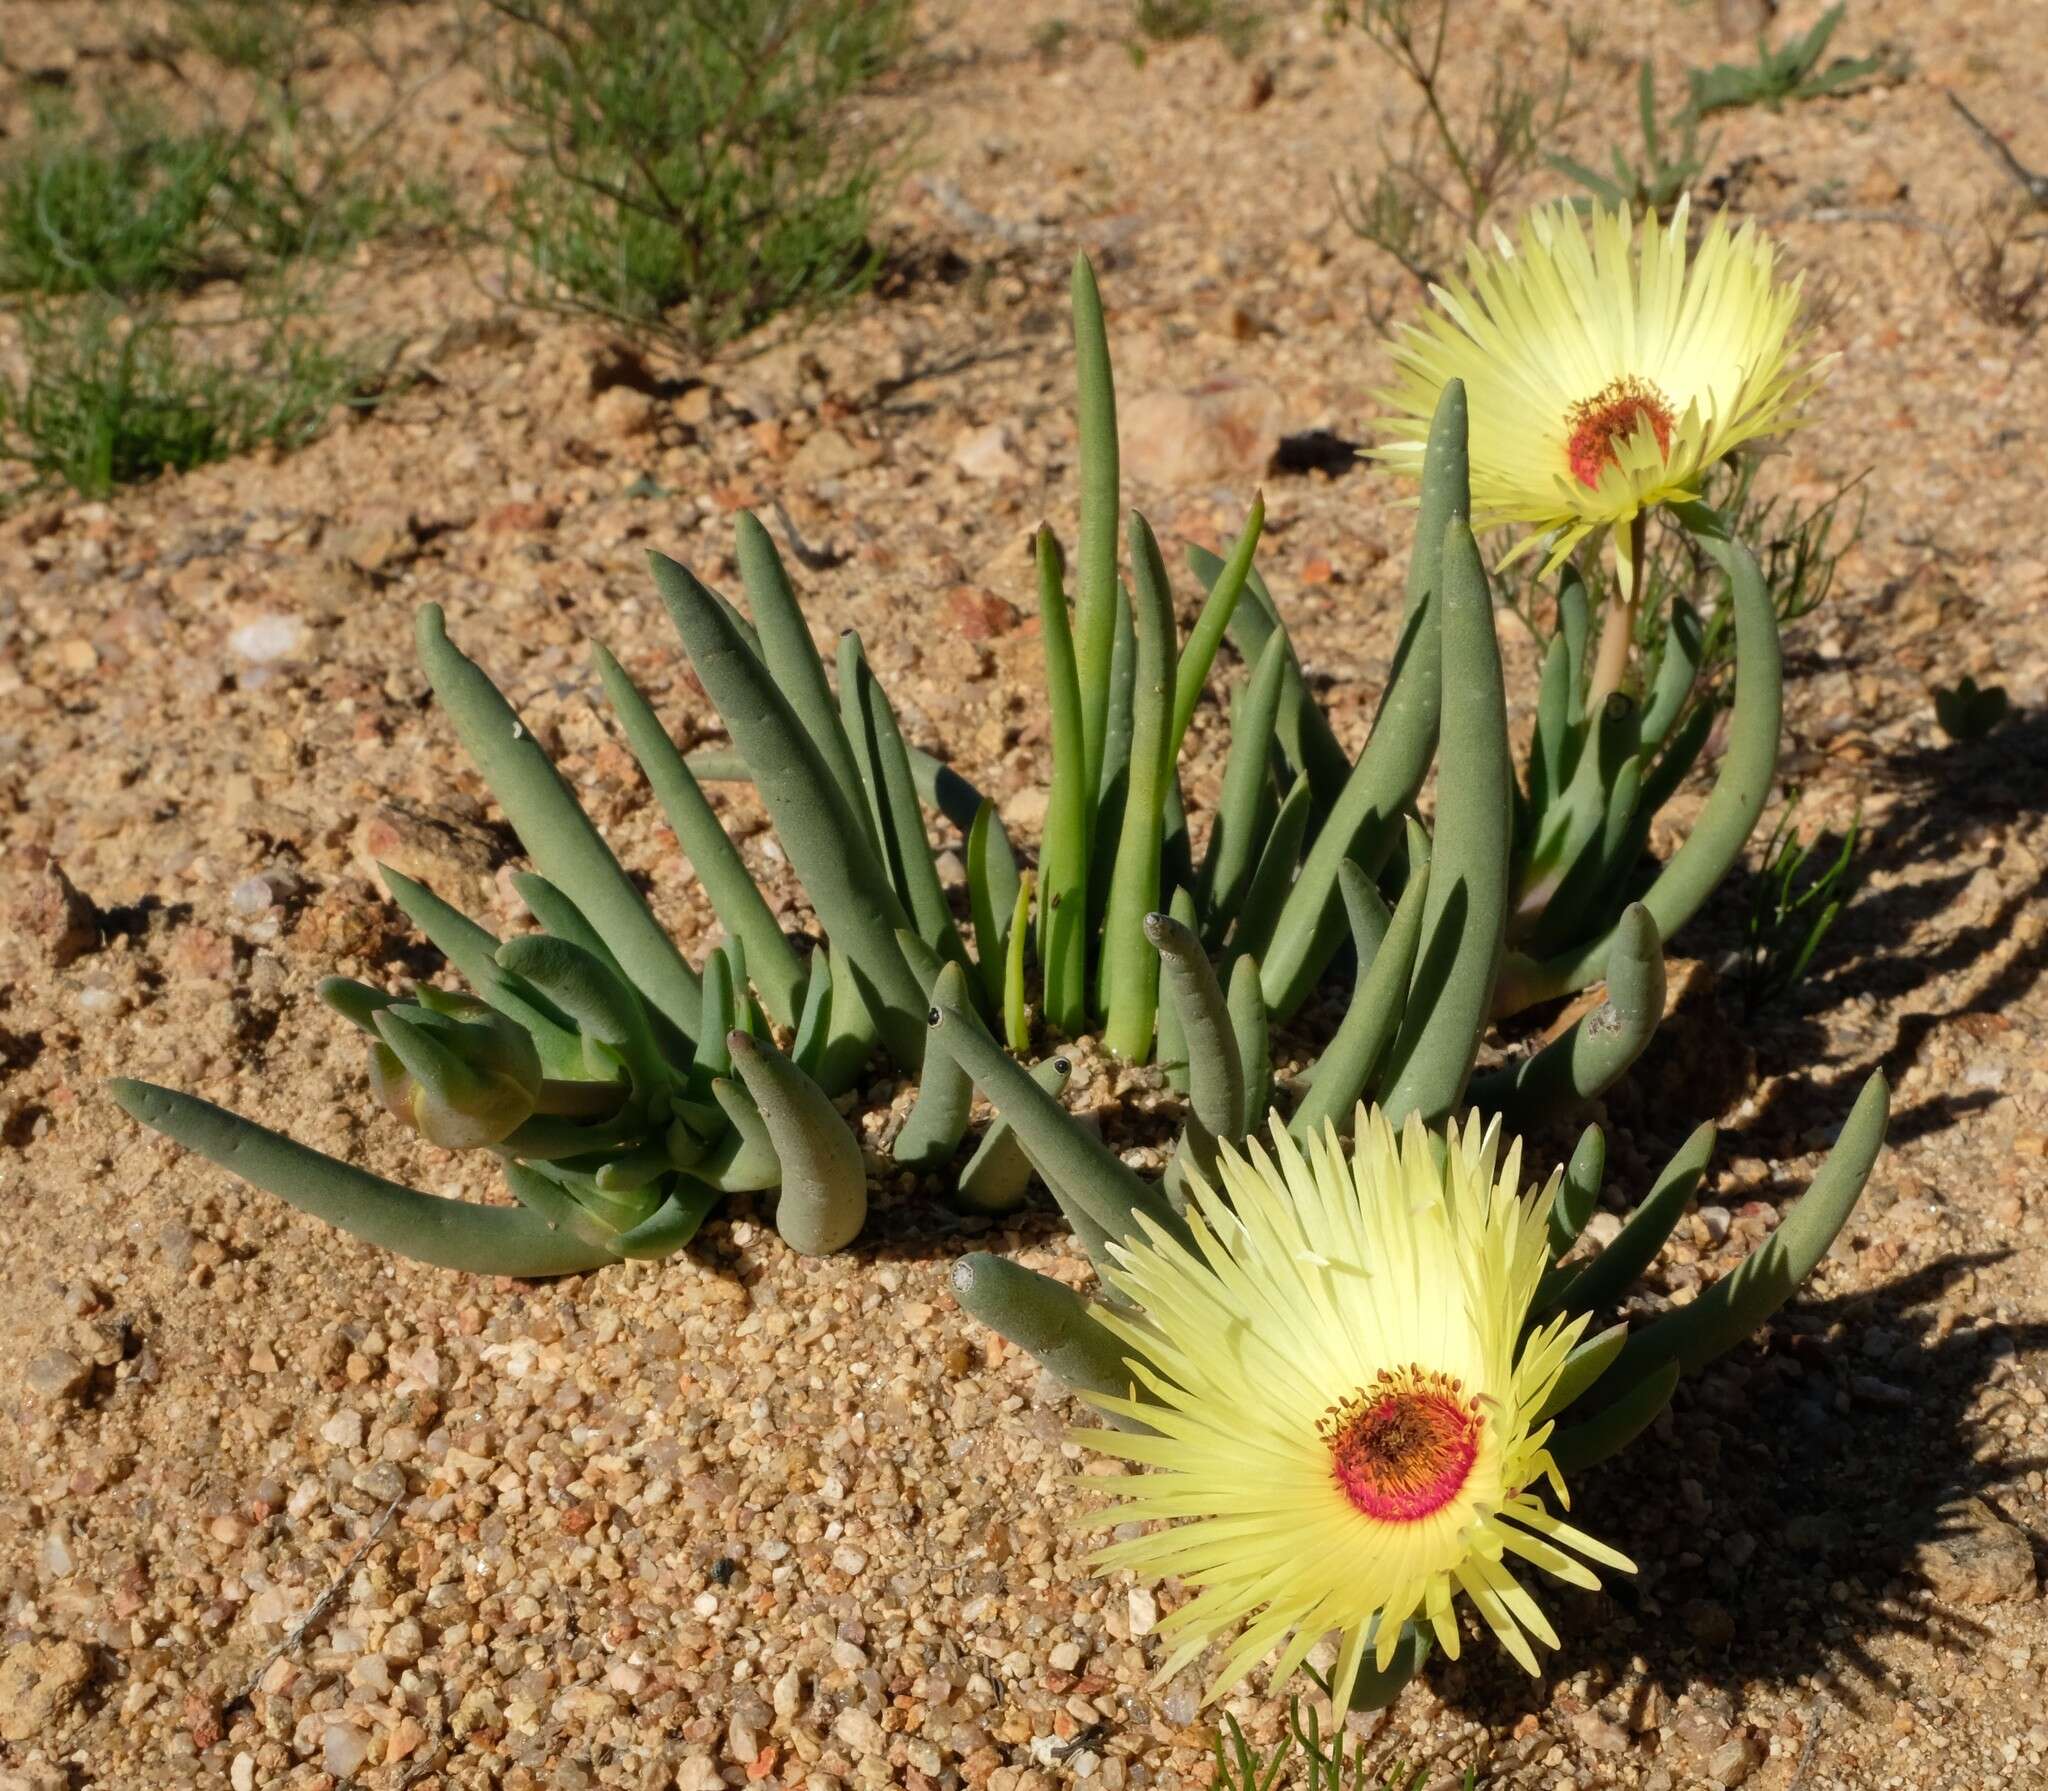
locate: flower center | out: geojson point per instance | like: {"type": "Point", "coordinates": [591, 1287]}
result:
{"type": "Point", "coordinates": [1403, 1448]}
{"type": "Point", "coordinates": [1602, 422]}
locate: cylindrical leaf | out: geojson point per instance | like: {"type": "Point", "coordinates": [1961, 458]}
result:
{"type": "Point", "coordinates": [824, 1197]}
{"type": "Point", "coordinates": [452, 1234]}
{"type": "Point", "coordinates": [557, 834]}
{"type": "Point", "coordinates": [1050, 1322]}
{"type": "Point", "coordinates": [1464, 923]}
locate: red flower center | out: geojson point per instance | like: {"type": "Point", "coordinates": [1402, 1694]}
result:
{"type": "Point", "coordinates": [1403, 1447]}
{"type": "Point", "coordinates": [1608, 418]}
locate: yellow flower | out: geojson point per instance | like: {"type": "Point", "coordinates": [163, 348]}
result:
{"type": "Point", "coordinates": [1604, 375]}
{"type": "Point", "coordinates": [1348, 1429]}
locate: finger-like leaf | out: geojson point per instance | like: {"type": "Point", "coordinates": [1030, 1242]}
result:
{"type": "Point", "coordinates": [1063, 857]}
{"type": "Point", "coordinates": [561, 917]}
{"type": "Point", "coordinates": [1215, 1071]}
{"type": "Point", "coordinates": [452, 1234]}
{"type": "Point", "coordinates": [1588, 1361]}
{"type": "Point", "coordinates": [826, 839]}
{"type": "Point", "coordinates": [789, 655]}
{"type": "Point", "coordinates": [1050, 1322]}
{"type": "Point", "coordinates": [1267, 895]}
{"type": "Point", "coordinates": [1587, 1444]}
{"type": "Point", "coordinates": [1253, 1026]}
{"type": "Point", "coordinates": [1096, 586]}
{"type": "Point", "coordinates": [1741, 788]}
{"type": "Point", "coordinates": [1303, 730]}
{"type": "Point", "coordinates": [892, 801]}
{"type": "Point", "coordinates": [945, 1094]}
{"type": "Point", "coordinates": [1737, 1304]}
{"type": "Point", "coordinates": [1608, 1276]}
{"type": "Point", "coordinates": [672, 1225]}
{"type": "Point", "coordinates": [1579, 1193]}
{"type": "Point", "coordinates": [1130, 970]}
{"type": "Point", "coordinates": [473, 952]}
{"type": "Point", "coordinates": [996, 1175]}
{"type": "Point", "coordinates": [1084, 1175]}
{"type": "Point", "coordinates": [1365, 821]}
{"type": "Point", "coordinates": [734, 896]}
{"type": "Point", "coordinates": [1207, 634]}
{"type": "Point", "coordinates": [1347, 1065]}
{"type": "Point", "coordinates": [1464, 924]}
{"type": "Point", "coordinates": [1591, 1056]}
{"type": "Point", "coordinates": [744, 1155]}
{"type": "Point", "coordinates": [824, 1197]}
{"type": "Point", "coordinates": [557, 834]}
{"type": "Point", "coordinates": [606, 1009]}
{"type": "Point", "coordinates": [1016, 1013]}
{"type": "Point", "coordinates": [1245, 810]}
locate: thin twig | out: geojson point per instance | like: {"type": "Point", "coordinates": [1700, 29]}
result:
{"type": "Point", "coordinates": [320, 1604]}
{"type": "Point", "coordinates": [1809, 1747]}
{"type": "Point", "coordinates": [815, 559]}
{"type": "Point", "coordinates": [2034, 185]}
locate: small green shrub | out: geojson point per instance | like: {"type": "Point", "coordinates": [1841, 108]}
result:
{"type": "Point", "coordinates": [1671, 161]}
{"type": "Point", "coordinates": [108, 400]}
{"type": "Point", "coordinates": [141, 208]}
{"type": "Point", "coordinates": [695, 167]}
{"type": "Point", "coordinates": [1459, 165]}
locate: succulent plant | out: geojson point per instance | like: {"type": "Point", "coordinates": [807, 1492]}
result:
{"type": "Point", "coordinates": [1597, 776]}
{"type": "Point", "coordinates": [1609, 1384]}
{"type": "Point", "coordinates": [1428, 915]}
{"type": "Point", "coordinates": [624, 1090]}
{"type": "Point", "coordinates": [1427, 967]}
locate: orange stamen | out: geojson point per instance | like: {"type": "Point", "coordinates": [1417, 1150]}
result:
{"type": "Point", "coordinates": [1404, 1447]}
{"type": "Point", "coordinates": [1607, 419]}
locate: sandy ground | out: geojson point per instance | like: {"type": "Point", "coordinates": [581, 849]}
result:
{"type": "Point", "coordinates": [745, 1517]}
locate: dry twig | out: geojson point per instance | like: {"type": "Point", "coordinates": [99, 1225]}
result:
{"type": "Point", "coordinates": [320, 1604]}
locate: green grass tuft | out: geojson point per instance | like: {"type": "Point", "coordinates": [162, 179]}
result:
{"type": "Point", "coordinates": [107, 400]}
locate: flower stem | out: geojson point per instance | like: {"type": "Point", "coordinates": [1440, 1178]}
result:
{"type": "Point", "coordinates": [1618, 622]}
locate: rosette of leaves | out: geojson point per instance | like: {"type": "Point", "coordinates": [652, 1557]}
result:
{"type": "Point", "coordinates": [1589, 789]}
{"type": "Point", "coordinates": [624, 1089]}
{"type": "Point", "coordinates": [1310, 855]}
{"type": "Point", "coordinates": [1423, 911]}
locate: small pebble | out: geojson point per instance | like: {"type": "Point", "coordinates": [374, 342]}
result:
{"type": "Point", "coordinates": [343, 1749]}
{"type": "Point", "coordinates": [344, 1430]}
{"type": "Point", "coordinates": [267, 639]}
{"type": "Point", "coordinates": [57, 1375]}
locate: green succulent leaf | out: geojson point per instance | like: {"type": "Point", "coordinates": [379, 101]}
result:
{"type": "Point", "coordinates": [1051, 1323]}
{"type": "Point", "coordinates": [735, 897]}
{"type": "Point", "coordinates": [558, 836]}
{"type": "Point", "coordinates": [1352, 1058]}
{"type": "Point", "coordinates": [824, 1184]}
{"type": "Point", "coordinates": [1744, 1298]}
{"type": "Point", "coordinates": [999, 1170]}
{"type": "Point", "coordinates": [825, 835]}
{"type": "Point", "coordinates": [1366, 819]}
{"type": "Point", "coordinates": [1464, 922]}
{"type": "Point", "coordinates": [1130, 970]}
{"type": "Point", "coordinates": [451, 1234]}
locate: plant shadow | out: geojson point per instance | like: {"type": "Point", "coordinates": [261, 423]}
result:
{"type": "Point", "coordinates": [1872, 1001]}
{"type": "Point", "coordinates": [1780, 1510]}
